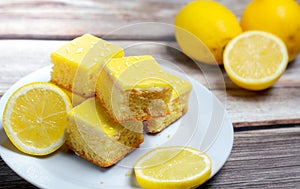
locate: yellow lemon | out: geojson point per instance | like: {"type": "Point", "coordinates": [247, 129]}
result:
{"type": "Point", "coordinates": [280, 17]}
{"type": "Point", "coordinates": [172, 167]}
{"type": "Point", "coordinates": [255, 60]}
{"type": "Point", "coordinates": [35, 118]}
{"type": "Point", "coordinates": [203, 28]}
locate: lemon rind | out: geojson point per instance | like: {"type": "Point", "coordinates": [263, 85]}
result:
{"type": "Point", "coordinates": [8, 110]}
{"type": "Point", "coordinates": [207, 160]}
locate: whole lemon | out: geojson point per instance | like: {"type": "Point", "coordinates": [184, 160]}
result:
{"type": "Point", "coordinates": [280, 17]}
{"type": "Point", "coordinates": [203, 28]}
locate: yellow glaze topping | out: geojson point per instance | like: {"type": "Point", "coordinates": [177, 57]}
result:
{"type": "Point", "coordinates": [88, 50]}
{"type": "Point", "coordinates": [144, 72]}
{"type": "Point", "coordinates": [93, 115]}
{"type": "Point", "coordinates": [136, 72]}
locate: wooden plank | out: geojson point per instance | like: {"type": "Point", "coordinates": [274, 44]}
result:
{"type": "Point", "coordinates": [262, 159]}
{"type": "Point", "coordinates": [280, 104]}
{"type": "Point", "coordinates": [267, 158]}
{"type": "Point", "coordinates": [65, 19]}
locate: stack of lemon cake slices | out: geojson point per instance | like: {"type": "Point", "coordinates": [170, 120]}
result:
{"type": "Point", "coordinates": [115, 98]}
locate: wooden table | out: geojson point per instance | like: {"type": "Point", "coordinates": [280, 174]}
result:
{"type": "Point", "coordinates": [266, 150]}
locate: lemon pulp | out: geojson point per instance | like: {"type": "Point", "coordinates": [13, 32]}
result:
{"type": "Point", "coordinates": [255, 60]}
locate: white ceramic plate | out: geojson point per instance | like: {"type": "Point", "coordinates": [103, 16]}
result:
{"type": "Point", "coordinates": [206, 126]}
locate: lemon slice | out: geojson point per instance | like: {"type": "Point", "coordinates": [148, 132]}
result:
{"type": "Point", "coordinates": [172, 167]}
{"type": "Point", "coordinates": [35, 118]}
{"type": "Point", "coordinates": [255, 60]}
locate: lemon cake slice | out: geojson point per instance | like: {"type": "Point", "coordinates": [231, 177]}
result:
{"type": "Point", "coordinates": [76, 64]}
{"type": "Point", "coordinates": [97, 138]}
{"type": "Point", "coordinates": [130, 88]}
{"type": "Point", "coordinates": [178, 104]}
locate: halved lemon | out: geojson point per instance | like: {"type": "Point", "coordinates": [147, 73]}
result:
{"type": "Point", "coordinates": [255, 60]}
{"type": "Point", "coordinates": [172, 167]}
{"type": "Point", "coordinates": [35, 118]}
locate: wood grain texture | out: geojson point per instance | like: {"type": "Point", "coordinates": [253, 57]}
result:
{"type": "Point", "coordinates": [262, 159]}
{"type": "Point", "coordinates": [259, 159]}
{"type": "Point", "coordinates": [65, 19]}
{"type": "Point", "coordinates": [277, 105]}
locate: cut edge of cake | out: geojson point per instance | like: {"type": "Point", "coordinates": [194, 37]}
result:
{"type": "Point", "coordinates": [178, 105]}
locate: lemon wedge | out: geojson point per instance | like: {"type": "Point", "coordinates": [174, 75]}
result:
{"type": "Point", "coordinates": [172, 167]}
{"type": "Point", "coordinates": [35, 118]}
{"type": "Point", "coordinates": [255, 60]}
